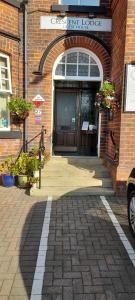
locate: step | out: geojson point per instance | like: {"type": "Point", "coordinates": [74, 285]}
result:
{"type": "Point", "coordinates": [59, 192]}
{"type": "Point", "coordinates": [75, 161]}
{"type": "Point", "coordinates": [59, 172]}
{"type": "Point", "coordinates": [76, 181]}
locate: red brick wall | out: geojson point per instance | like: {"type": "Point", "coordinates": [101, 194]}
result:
{"type": "Point", "coordinates": [127, 136]}
{"type": "Point", "coordinates": [38, 40]}
{"type": "Point", "coordinates": [9, 23]}
{"type": "Point", "coordinates": [119, 11]}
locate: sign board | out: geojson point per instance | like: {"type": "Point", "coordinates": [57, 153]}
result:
{"type": "Point", "coordinates": [129, 99]}
{"type": "Point", "coordinates": [72, 23]}
{"type": "Point", "coordinates": [38, 112]}
{"type": "Point", "coordinates": [38, 100]}
{"type": "Point", "coordinates": [38, 120]}
{"type": "Point", "coordinates": [85, 125]}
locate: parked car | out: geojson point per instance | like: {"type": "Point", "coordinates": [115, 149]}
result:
{"type": "Point", "coordinates": [131, 201]}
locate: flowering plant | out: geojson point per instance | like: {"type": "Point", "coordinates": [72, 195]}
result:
{"type": "Point", "coordinates": [106, 97]}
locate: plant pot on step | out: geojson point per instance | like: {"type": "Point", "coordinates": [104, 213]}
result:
{"type": "Point", "coordinates": [36, 176]}
{"type": "Point", "coordinates": [8, 180]}
{"type": "Point", "coordinates": [23, 181]}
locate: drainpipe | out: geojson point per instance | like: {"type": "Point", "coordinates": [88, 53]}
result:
{"type": "Point", "coordinates": [25, 67]}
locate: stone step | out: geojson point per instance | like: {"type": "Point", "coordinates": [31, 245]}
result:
{"type": "Point", "coordinates": [75, 182]}
{"type": "Point", "coordinates": [76, 161]}
{"type": "Point", "coordinates": [61, 191]}
{"type": "Point", "coordinates": [74, 176]}
{"type": "Point", "coordinates": [60, 172]}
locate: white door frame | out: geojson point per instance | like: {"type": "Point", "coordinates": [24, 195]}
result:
{"type": "Point", "coordinates": [65, 78]}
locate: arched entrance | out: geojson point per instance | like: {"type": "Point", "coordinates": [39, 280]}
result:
{"type": "Point", "coordinates": [77, 75]}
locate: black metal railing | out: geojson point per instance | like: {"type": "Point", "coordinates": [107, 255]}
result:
{"type": "Point", "coordinates": [116, 153]}
{"type": "Point", "coordinates": [41, 151]}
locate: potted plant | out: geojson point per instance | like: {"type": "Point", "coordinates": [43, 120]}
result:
{"type": "Point", "coordinates": [19, 109]}
{"type": "Point", "coordinates": [8, 171]}
{"type": "Point", "coordinates": [27, 169]}
{"type": "Point", "coordinates": [23, 170]}
{"type": "Point", "coordinates": [106, 98]}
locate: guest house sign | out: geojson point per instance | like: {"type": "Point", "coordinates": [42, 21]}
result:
{"type": "Point", "coordinates": [67, 23]}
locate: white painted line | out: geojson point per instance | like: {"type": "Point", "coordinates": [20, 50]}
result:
{"type": "Point", "coordinates": [123, 238]}
{"type": "Point", "coordinates": [36, 292]}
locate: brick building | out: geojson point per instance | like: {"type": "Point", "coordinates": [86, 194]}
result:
{"type": "Point", "coordinates": [71, 47]}
{"type": "Point", "coordinates": [10, 63]}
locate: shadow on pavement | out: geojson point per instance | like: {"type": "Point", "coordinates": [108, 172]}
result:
{"type": "Point", "coordinates": [85, 258]}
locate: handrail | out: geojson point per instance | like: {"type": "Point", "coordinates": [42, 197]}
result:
{"type": "Point", "coordinates": [115, 158]}
{"type": "Point", "coordinates": [41, 150]}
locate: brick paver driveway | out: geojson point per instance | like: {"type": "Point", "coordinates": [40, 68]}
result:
{"type": "Point", "coordinates": [85, 258]}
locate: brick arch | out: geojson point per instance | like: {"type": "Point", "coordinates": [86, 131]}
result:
{"type": "Point", "coordinates": [77, 41]}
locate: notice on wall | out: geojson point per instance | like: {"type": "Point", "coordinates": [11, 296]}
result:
{"type": "Point", "coordinates": [38, 100]}
{"type": "Point", "coordinates": [38, 120]}
{"type": "Point", "coordinates": [85, 125]}
{"type": "Point", "coordinates": [129, 101]}
{"type": "Point", "coordinates": [72, 23]}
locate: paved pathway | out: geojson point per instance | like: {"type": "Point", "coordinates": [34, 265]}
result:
{"type": "Point", "coordinates": [85, 258]}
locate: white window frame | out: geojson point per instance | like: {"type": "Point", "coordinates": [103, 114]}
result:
{"type": "Point", "coordinates": [6, 92]}
{"type": "Point", "coordinates": [92, 3]}
{"type": "Point", "coordinates": [78, 78]}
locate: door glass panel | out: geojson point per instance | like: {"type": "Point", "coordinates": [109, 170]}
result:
{"type": "Point", "coordinates": [65, 111]}
{"type": "Point", "coordinates": [88, 112]}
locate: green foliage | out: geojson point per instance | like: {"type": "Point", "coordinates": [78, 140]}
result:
{"type": "Point", "coordinates": [106, 98]}
{"type": "Point", "coordinates": [23, 164]}
{"type": "Point", "coordinates": [108, 88]}
{"type": "Point", "coordinates": [26, 164]}
{"type": "Point", "coordinates": [19, 105]}
{"type": "Point", "coordinates": [35, 151]}
{"type": "Point", "coordinates": [34, 164]}
{"type": "Point", "coordinates": [46, 158]}
{"type": "Point", "coordinates": [8, 166]}
{"type": "Point", "coordinates": [32, 180]}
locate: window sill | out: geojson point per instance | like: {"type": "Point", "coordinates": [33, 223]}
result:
{"type": "Point", "coordinates": [97, 10]}
{"type": "Point", "coordinates": [10, 135]}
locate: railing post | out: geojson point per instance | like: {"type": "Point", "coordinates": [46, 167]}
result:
{"type": "Point", "coordinates": [39, 166]}
{"type": "Point", "coordinates": [41, 148]}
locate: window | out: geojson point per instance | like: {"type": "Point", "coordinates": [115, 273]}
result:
{"type": "Point", "coordinates": [5, 91]}
{"type": "Point", "coordinates": [78, 64]}
{"type": "Point", "coordinates": [80, 2]}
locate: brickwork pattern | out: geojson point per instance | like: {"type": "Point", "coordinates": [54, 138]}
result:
{"type": "Point", "coordinates": [119, 19]}
{"type": "Point", "coordinates": [38, 40]}
{"type": "Point", "coordinates": [9, 23]}
{"type": "Point", "coordinates": [85, 257]}
{"type": "Point", "coordinates": [127, 137]}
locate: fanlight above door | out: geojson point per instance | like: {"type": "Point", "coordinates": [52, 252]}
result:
{"type": "Point", "coordinates": [78, 65]}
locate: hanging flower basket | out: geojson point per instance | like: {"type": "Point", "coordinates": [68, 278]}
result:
{"type": "Point", "coordinates": [19, 109]}
{"type": "Point", "coordinates": [19, 118]}
{"type": "Point", "coordinates": [106, 98]}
